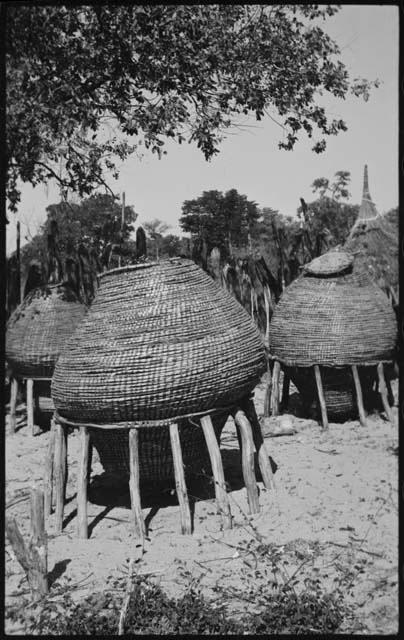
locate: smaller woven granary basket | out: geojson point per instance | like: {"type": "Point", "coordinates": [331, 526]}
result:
{"type": "Point", "coordinates": [38, 329]}
{"type": "Point", "coordinates": [335, 318]}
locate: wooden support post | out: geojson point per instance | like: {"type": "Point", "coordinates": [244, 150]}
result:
{"type": "Point", "coordinates": [383, 392]}
{"type": "Point", "coordinates": [60, 471]}
{"type": "Point", "coordinates": [34, 556]}
{"type": "Point", "coordinates": [82, 483]}
{"type": "Point", "coordinates": [359, 396]}
{"type": "Point", "coordinates": [48, 470]}
{"type": "Point", "coordinates": [134, 485]}
{"type": "Point", "coordinates": [38, 544]}
{"type": "Point", "coordinates": [321, 398]}
{"type": "Point", "coordinates": [268, 392]}
{"type": "Point", "coordinates": [390, 395]}
{"type": "Point", "coordinates": [30, 405]}
{"type": "Point", "coordinates": [258, 436]}
{"type": "Point", "coordinates": [13, 403]}
{"type": "Point", "coordinates": [275, 388]}
{"type": "Point", "coordinates": [180, 485]}
{"type": "Point", "coordinates": [247, 459]}
{"type": "Point", "coordinates": [285, 391]}
{"type": "Point", "coordinates": [222, 498]}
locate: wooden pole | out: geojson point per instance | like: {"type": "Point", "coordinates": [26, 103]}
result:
{"type": "Point", "coordinates": [38, 545]}
{"type": "Point", "coordinates": [285, 391]}
{"type": "Point", "coordinates": [34, 556]}
{"type": "Point", "coordinates": [180, 485]}
{"type": "Point", "coordinates": [222, 498]}
{"type": "Point", "coordinates": [259, 441]}
{"type": "Point", "coordinates": [267, 299]}
{"type": "Point", "coordinates": [321, 398]}
{"type": "Point", "coordinates": [134, 485]}
{"type": "Point", "coordinates": [359, 396]}
{"type": "Point", "coordinates": [247, 459]}
{"type": "Point", "coordinates": [18, 258]}
{"type": "Point", "coordinates": [275, 388]}
{"type": "Point", "coordinates": [390, 395]}
{"type": "Point", "coordinates": [122, 223]}
{"type": "Point", "coordinates": [268, 392]}
{"type": "Point", "coordinates": [383, 392]}
{"type": "Point", "coordinates": [13, 404]}
{"type": "Point", "coordinates": [60, 470]}
{"type": "Point", "coordinates": [30, 405]}
{"type": "Point", "coordinates": [82, 483]}
{"type": "Point", "coordinates": [48, 470]}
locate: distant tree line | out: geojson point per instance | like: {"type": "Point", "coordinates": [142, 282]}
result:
{"type": "Point", "coordinates": [225, 231]}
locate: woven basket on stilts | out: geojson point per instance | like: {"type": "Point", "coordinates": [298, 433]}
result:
{"type": "Point", "coordinates": [161, 340]}
{"type": "Point", "coordinates": [335, 318]}
{"type": "Point", "coordinates": [38, 329]}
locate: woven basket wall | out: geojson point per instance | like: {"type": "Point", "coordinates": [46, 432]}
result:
{"type": "Point", "coordinates": [338, 388]}
{"type": "Point", "coordinates": [160, 340]}
{"type": "Point", "coordinates": [155, 456]}
{"type": "Point", "coordinates": [333, 317]}
{"type": "Point", "coordinates": [39, 327]}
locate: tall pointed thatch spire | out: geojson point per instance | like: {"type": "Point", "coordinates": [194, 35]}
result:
{"type": "Point", "coordinates": [373, 240]}
{"type": "Point", "coordinates": [367, 209]}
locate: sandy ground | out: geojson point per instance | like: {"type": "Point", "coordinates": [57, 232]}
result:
{"type": "Point", "coordinates": [334, 511]}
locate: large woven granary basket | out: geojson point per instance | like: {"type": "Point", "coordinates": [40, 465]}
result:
{"type": "Point", "coordinates": [161, 340]}
{"type": "Point", "coordinates": [38, 329]}
{"type": "Point", "coordinates": [335, 318]}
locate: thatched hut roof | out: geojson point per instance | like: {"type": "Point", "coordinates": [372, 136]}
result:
{"type": "Point", "coordinates": [374, 242]}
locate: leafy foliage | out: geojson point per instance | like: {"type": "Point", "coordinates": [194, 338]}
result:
{"type": "Point", "coordinates": [77, 241]}
{"type": "Point", "coordinates": [152, 611]}
{"type": "Point", "coordinates": [89, 85]}
{"type": "Point", "coordinates": [220, 220]}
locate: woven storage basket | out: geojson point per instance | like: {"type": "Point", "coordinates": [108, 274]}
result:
{"type": "Point", "coordinates": [155, 456]}
{"type": "Point", "coordinates": [38, 328]}
{"type": "Point", "coordinates": [160, 340]}
{"type": "Point", "coordinates": [335, 318]}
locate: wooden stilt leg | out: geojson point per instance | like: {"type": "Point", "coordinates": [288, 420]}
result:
{"type": "Point", "coordinates": [321, 399]}
{"type": "Point", "coordinates": [134, 484]}
{"type": "Point", "coordinates": [13, 404]}
{"type": "Point", "coordinates": [275, 388]}
{"type": "Point", "coordinates": [258, 436]}
{"type": "Point", "coordinates": [247, 458]}
{"type": "Point", "coordinates": [383, 392]}
{"type": "Point", "coordinates": [82, 484]}
{"type": "Point", "coordinates": [180, 485]}
{"type": "Point", "coordinates": [359, 397]}
{"type": "Point", "coordinates": [222, 498]}
{"type": "Point", "coordinates": [60, 475]}
{"type": "Point", "coordinates": [48, 470]}
{"type": "Point", "coordinates": [268, 393]}
{"type": "Point", "coordinates": [30, 405]}
{"type": "Point", "coordinates": [390, 395]}
{"type": "Point", "coordinates": [285, 391]}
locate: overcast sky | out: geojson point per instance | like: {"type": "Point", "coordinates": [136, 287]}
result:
{"type": "Point", "coordinates": [251, 162]}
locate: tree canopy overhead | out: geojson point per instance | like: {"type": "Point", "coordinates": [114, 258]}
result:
{"type": "Point", "coordinates": [89, 85]}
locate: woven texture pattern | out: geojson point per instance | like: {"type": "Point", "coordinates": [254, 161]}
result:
{"type": "Point", "coordinates": [160, 340]}
{"type": "Point", "coordinates": [39, 327]}
{"type": "Point", "coordinates": [333, 320]}
{"type": "Point", "coordinates": [155, 456]}
{"type": "Point", "coordinates": [338, 388]}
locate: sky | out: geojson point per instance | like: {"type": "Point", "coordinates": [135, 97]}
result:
{"type": "Point", "coordinates": [250, 160]}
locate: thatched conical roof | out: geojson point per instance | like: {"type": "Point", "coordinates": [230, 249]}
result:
{"type": "Point", "coordinates": [373, 241]}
